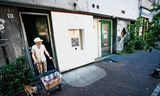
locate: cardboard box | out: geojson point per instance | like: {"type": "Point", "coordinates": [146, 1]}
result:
{"type": "Point", "coordinates": [51, 83]}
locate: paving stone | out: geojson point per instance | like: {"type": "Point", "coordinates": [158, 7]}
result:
{"type": "Point", "coordinates": [85, 76]}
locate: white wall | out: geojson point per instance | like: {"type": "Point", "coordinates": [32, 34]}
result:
{"type": "Point", "coordinates": [114, 7]}
{"type": "Point", "coordinates": [96, 28]}
{"type": "Point", "coordinates": [69, 58]}
{"type": "Point", "coordinates": [106, 7]}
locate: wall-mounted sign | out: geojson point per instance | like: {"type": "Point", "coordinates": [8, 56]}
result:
{"type": "Point", "coordinates": [75, 42]}
{"type": "Point", "coordinates": [76, 36]}
{"type": "Point", "coordinates": [145, 13]}
{"type": "Point", "coordinates": [10, 15]}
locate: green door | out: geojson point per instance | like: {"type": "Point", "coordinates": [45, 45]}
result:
{"type": "Point", "coordinates": [105, 37]}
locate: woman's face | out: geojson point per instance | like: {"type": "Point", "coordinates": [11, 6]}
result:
{"type": "Point", "coordinates": [38, 43]}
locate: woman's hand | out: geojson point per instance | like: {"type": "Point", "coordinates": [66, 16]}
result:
{"type": "Point", "coordinates": [50, 57]}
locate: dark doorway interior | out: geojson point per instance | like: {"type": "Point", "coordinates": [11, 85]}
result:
{"type": "Point", "coordinates": [37, 26]}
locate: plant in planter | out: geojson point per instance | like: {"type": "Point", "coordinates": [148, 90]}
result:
{"type": "Point", "coordinates": [152, 34]}
{"type": "Point", "coordinates": [134, 40]}
{"type": "Point", "coordinates": [14, 75]}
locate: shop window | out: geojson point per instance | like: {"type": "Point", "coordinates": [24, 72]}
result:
{"type": "Point", "coordinates": [76, 37]}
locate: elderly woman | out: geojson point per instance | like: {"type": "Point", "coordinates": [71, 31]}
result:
{"type": "Point", "coordinates": [38, 55]}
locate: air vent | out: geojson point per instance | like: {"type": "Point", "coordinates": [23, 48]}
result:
{"type": "Point", "coordinates": [122, 11]}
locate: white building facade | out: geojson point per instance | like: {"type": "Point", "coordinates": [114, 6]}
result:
{"type": "Point", "coordinates": [76, 32]}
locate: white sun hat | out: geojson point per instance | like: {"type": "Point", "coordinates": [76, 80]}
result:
{"type": "Point", "coordinates": [37, 39]}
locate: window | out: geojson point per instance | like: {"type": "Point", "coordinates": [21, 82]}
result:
{"type": "Point", "coordinates": [76, 37]}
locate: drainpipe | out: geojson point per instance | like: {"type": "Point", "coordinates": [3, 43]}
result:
{"type": "Point", "coordinates": [140, 7]}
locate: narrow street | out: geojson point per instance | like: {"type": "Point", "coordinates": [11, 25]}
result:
{"type": "Point", "coordinates": [97, 45]}
{"type": "Point", "coordinates": [130, 77]}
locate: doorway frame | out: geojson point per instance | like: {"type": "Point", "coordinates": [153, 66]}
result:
{"type": "Point", "coordinates": [25, 37]}
{"type": "Point", "coordinates": [111, 35]}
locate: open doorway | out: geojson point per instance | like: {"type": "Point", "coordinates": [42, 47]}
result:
{"type": "Point", "coordinates": [37, 25]}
